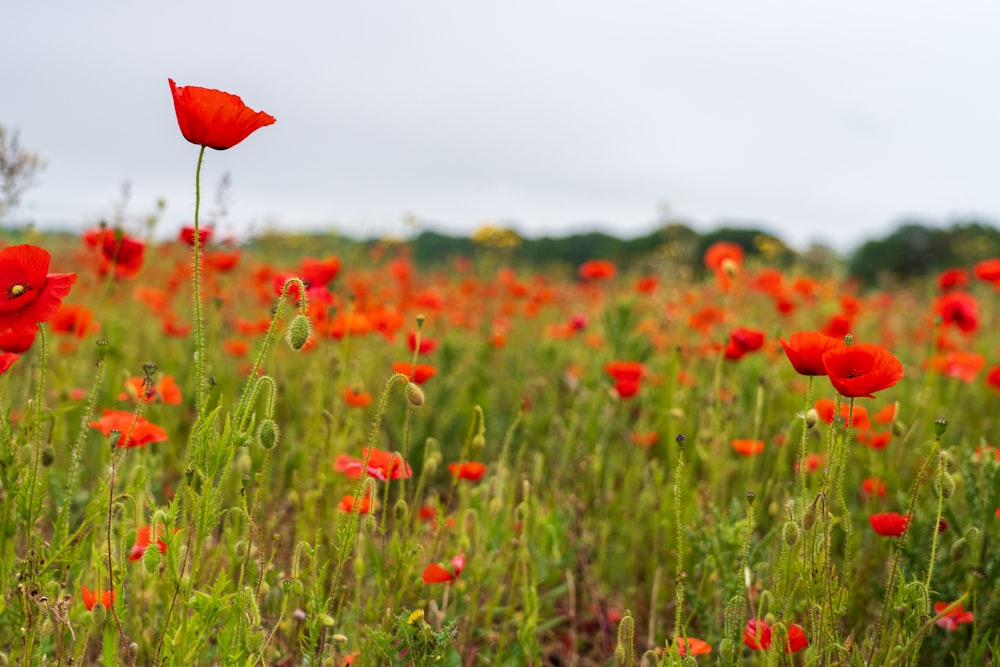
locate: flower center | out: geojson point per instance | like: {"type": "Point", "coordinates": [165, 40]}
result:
{"type": "Point", "coordinates": [17, 289]}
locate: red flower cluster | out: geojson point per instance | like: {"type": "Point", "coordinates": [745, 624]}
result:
{"type": "Point", "coordinates": [855, 370]}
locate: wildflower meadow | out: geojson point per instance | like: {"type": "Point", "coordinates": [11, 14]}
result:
{"type": "Point", "coordinates": [320, 453]}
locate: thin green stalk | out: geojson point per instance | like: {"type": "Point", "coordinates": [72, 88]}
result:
{"type": "Point", "coordinates": [199, 325]}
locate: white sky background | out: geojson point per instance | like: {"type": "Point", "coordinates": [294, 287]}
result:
{"type": "Point", "coordinates": [819, 121]}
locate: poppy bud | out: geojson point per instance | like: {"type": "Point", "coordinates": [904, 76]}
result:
{"type": "Point", "coordinates": [726, 650]}
{"type": "Point", "coordinates": [812, 417]}
{"type": "Point", "coordinates": [957, 551]}
{"type": "Point", "coordinates": [370, 524]}
{"type": "Point", "coordinates": [98, 614]}
{"type": "Point", "coordinates": [267, 434]}
{"type": "Point", "coordinates": [479, 441]}
{"type": "Point", "coordinates": [944, 484]}
{"type": "Point", "coordinates": [151, 559]}
{"type": "Point", "coordinates": [790, 533]}
{"type": "Point", "coordinates": [248, 605]}
{"type": "Point", "coordinates": [400, 509]}
{"type": "Point", "coordinates": [898, 428]}
{"type": "Point", "coordinates": [255, 640]}
{"type": "Point", "coordinates": [415, 394]}
{"type": "Point", "coordinates": [809, 517]}
{"type": "Point", "coordinates": [751, 496]}
{"type": "Point", "coordinates": [48, 456]}
{"type": "Point", "coordinates": [940, 426]}
{"type": "Point", "coordinates": [297, 587]}
{"type": "Point", "coordinates": [298, 332]}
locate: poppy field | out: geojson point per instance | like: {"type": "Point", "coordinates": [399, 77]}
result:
{"type": "Point", "coordinates": [302, 451]}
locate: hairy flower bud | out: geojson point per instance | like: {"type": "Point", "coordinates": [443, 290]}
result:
{"type": "Point", "coordinates": [151, 559]}
{"type": "Point", "coordinates": [790, 533]}
{"type": "Point", "coordinates": [298, 332]}
{"type": "Point", "coordinates": [957, 551]}
{"type": "Point", "coordinates": [267, 434]}
{"type": "Point", "coordinates": [809, 517]}
{"type": "Point", "coordinates": [415, 394]}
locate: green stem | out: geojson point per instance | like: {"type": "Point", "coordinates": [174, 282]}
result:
{"type": "Point", "coordinates": [199, 325]}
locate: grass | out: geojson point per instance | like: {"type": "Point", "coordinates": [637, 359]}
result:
{"type": "Point", "coordinates": [581, 547]}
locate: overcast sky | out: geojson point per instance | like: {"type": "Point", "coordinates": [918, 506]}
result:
{"type": "Point", "coordinates": [820, 121]}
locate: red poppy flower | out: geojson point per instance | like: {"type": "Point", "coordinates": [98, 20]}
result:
{"type": "Point", "coordinates": [959, 309]}
{"type": "Point", "coordinates": [627, 376]}
{"type": "Point", "coordinates": [470, 470]}
{"type": "Point", "coordinates": [698, 647]}
{"type": "Point", "coordinates": [90, 598]}
{"type": "Point", "coordinates": [18, 340]}
{"type": "Point", "coordinates": [6, 361]}
{"type": "Point", "coordinates": [186, 235]}
{"type": "Point", "coordinates": [134, 432]}
{"type": "Point", "coordinates": [988, 270]}
{"type": "Point", "coordinates": [746, 447]}
{"type": "Point", "coordinates": [143, 538]}
{"type": "Point", "coordinates": [952, 279]}
{"type": "Point", "coordinates": [825, 408]}
{"type": "Point", "coordinates": [165, 391]}
{"type": "Point", "coordinates": [596, 269]}
{"type": "Point", "coordinates": [435, 574]}
{"type": "Point", "coordinates": [221, 260]}
{"type": "Point", "coordinates": [805, 351]}
{"type": "Point", "coordinates": [119, 251]}
{"type": "Point", "coordinates": [890, 524]}
{"type": "Point", "coordinates": [215, 119]}
{"type": "Point", "coordinates": [386, 465]}
{"type": "Point", "coordinates": [838, 326]}
{"type": "Point", "coordinates": [647, 285]}
{"type": "Point", "coordinates": [953, 618]}
{"type": "Point", "coordinates": [427, 345]}
{"type": "Point", "coordinates": [74, 320]}
{"type": "Point", "coordinates": [644, 438]}
{"type": "Point", "coordinates": [31, 294]}
{"type": "Point", "coordinates": [861, 370]}
{"type": "Point", "coordinates": [873, 486]}
{"type": "Point", "coordinates": [418, 373]}
{"type": "Point", "coordinates": [346, 504]}
{"type": "Point", "coordinates": [743, 341]}
{"type": "Point", "coordinates": [757, 635]}
{"type": "Point", "coordinates": [721, 253]}
{"type": "Point", "coordinates": [235, 347]}
{"type": "Point", "coordinates": [319, 272]}
{"type": "Point", "coordinates": [356, 399]}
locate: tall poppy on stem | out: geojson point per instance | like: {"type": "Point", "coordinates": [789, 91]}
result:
{"type": "Point", "coordinates": [211, 119]}
{"type": "Point", "coordinates": [860, 370]}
